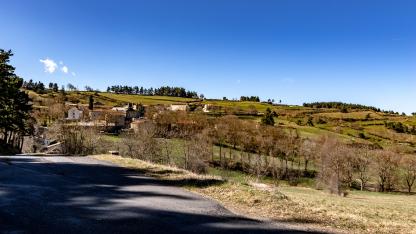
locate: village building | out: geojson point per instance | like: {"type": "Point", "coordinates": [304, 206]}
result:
{"type": "Point", "coordinates": [120, 108]}
{"type": "Point", "coordinates": [206, 108]}
{"type": "Point", "coordinates": [74, 114]}
{"type": "Point", "coordinates": [116, 119]}
{"type": "Point", "coordinates": [96, 115]}
{"type": "Point", "coordinates": [179, 107]}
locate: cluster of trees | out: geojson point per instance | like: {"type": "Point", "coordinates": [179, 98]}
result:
{"type": "Point", "coordinates": [71, 87]}
{"type": "Point", "coordinates": [281, 153]}
{"type": "Point", "coordinates": [340, 105]}
{"type": "Point", "coordinates": [15, 120]}
{"type": "Point", "coordinates": [162, 91]}
{"type": "Point", "coordinates": [344, 107]}
{"type": "Point", "coordinates": [400, 127]}
{"type": "Point", "coordinates": [38, 87]}
{"type": "Point", "coordinates": [389, 170]}
{"type": "Point", "coordinates": [53, 86]}
{"type": "Point", "coordinates": [250, 98]}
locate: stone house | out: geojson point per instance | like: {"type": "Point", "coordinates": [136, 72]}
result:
{"type": "Point", "coordinates": [74, 114]}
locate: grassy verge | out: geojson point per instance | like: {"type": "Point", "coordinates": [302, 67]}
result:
{"type": "Point", "coordinates": [360, 212]}
{"type": "Point", "coordinates": [171, 175]}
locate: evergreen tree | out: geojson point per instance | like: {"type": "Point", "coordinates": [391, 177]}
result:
{"type": "Point", "coordinates": [91, 103]}
{"type": "Point", "coordinates": [268, 118]}
{"type": "Point", "coordinates": [140, 109]}
{"type": "Point", "coordinates": [14, 107]}
{"type": "Point", "coordinates": [55, 87]}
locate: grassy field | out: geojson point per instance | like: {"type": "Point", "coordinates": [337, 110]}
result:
{"type": "Point", "coordinates": [359, 212]}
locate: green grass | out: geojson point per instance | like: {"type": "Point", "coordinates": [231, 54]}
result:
{"type": "Point", "coordinates": [111, 138]}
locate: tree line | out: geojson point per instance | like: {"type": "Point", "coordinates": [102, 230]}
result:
{"type": "Point", "coordinates": [249, 99]}
{"type": "Point", "coordinates": [39, 86]}
{"type": "Point", "coordinates": [340, 105]}
{"type": "Point", "coordinates": [162, 91]}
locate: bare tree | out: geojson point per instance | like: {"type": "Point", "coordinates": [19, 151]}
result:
{"type": "Point", "coordinates": [409, 171]}
{"type": "Point", "coordinates": [233, 131]}
{"type": "Point", "coordinates": [363, 161]}
{"type": "Point", "coordinates": [147, 147]}
{"type": "Point", "coordinates": [308, 150]}
{"type": "Point", "coordinates": [291, 149]}
{"type": "Point", "coordinates": [129, 140]}
{"type": "Point", "coordinates": [220, 136]}
{"type": "Point", "coordinates": [75, 139]}
{"type": "Point", "coordinates": [197, 153]}
{"type": "Point", "coordinates": [335, 169]}
{"type": "Point", "coordinates": [387, 163]}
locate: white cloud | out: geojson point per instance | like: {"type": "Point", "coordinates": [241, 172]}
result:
{"type": "Point", "coordinates": [64, 69]}
{"type": "Point", "coordinates": [49, 65]}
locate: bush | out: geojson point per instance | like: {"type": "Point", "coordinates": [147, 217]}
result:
{"type": "Point", "coordinates": [75, 139]}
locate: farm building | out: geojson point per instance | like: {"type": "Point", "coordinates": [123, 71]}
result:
{"type": "Point", "coordinates": [96, 115]}
{"type": "Point", "coordinates": [74, 114]}
{"type": "Point", "coordinates": [179, 107]}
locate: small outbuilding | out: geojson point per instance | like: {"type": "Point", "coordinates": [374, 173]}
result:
{"type": "Point", "coordinates": [179, 107]}
{"type": "Point", "coordinates": [74, 114]}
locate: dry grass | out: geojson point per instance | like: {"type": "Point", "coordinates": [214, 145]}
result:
{"type": "Point", "coordinates": [359, 212]}
{"type": "Point", "coordinates": [171, 175]}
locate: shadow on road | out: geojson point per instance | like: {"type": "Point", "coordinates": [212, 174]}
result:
{"type": "Point", "coordinates": [37, 196]}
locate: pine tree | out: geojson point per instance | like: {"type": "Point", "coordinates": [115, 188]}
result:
{"type": "Point", "coordinates": [91, 103]}
{"type": "Point", "coordinates": [268, 118]}
{"type": "Point", "coordinates": [14, 107]}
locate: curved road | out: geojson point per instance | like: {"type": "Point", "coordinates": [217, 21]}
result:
{"type": "Point", "coordinates": [83, 195]}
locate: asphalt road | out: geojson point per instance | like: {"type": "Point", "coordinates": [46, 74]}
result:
{"type": "Point", "coordinates": [83, 195]}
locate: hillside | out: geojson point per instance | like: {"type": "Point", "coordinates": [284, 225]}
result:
{"type": "Point", "coordinates": [355, 126]}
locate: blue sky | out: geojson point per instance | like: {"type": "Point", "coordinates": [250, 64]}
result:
{"type": "Point", "coordinates": [294, 50]}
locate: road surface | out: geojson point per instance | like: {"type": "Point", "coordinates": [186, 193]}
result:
{"type": "Point", "coordinates": [83, 195]}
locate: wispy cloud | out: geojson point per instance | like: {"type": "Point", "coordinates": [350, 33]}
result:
{"type": "Point", "coordinates": [49, 65]}
{"type": "Point", "coordinates": [73, 74]}
{"type": "Point", "coordinates": [64, 69]}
